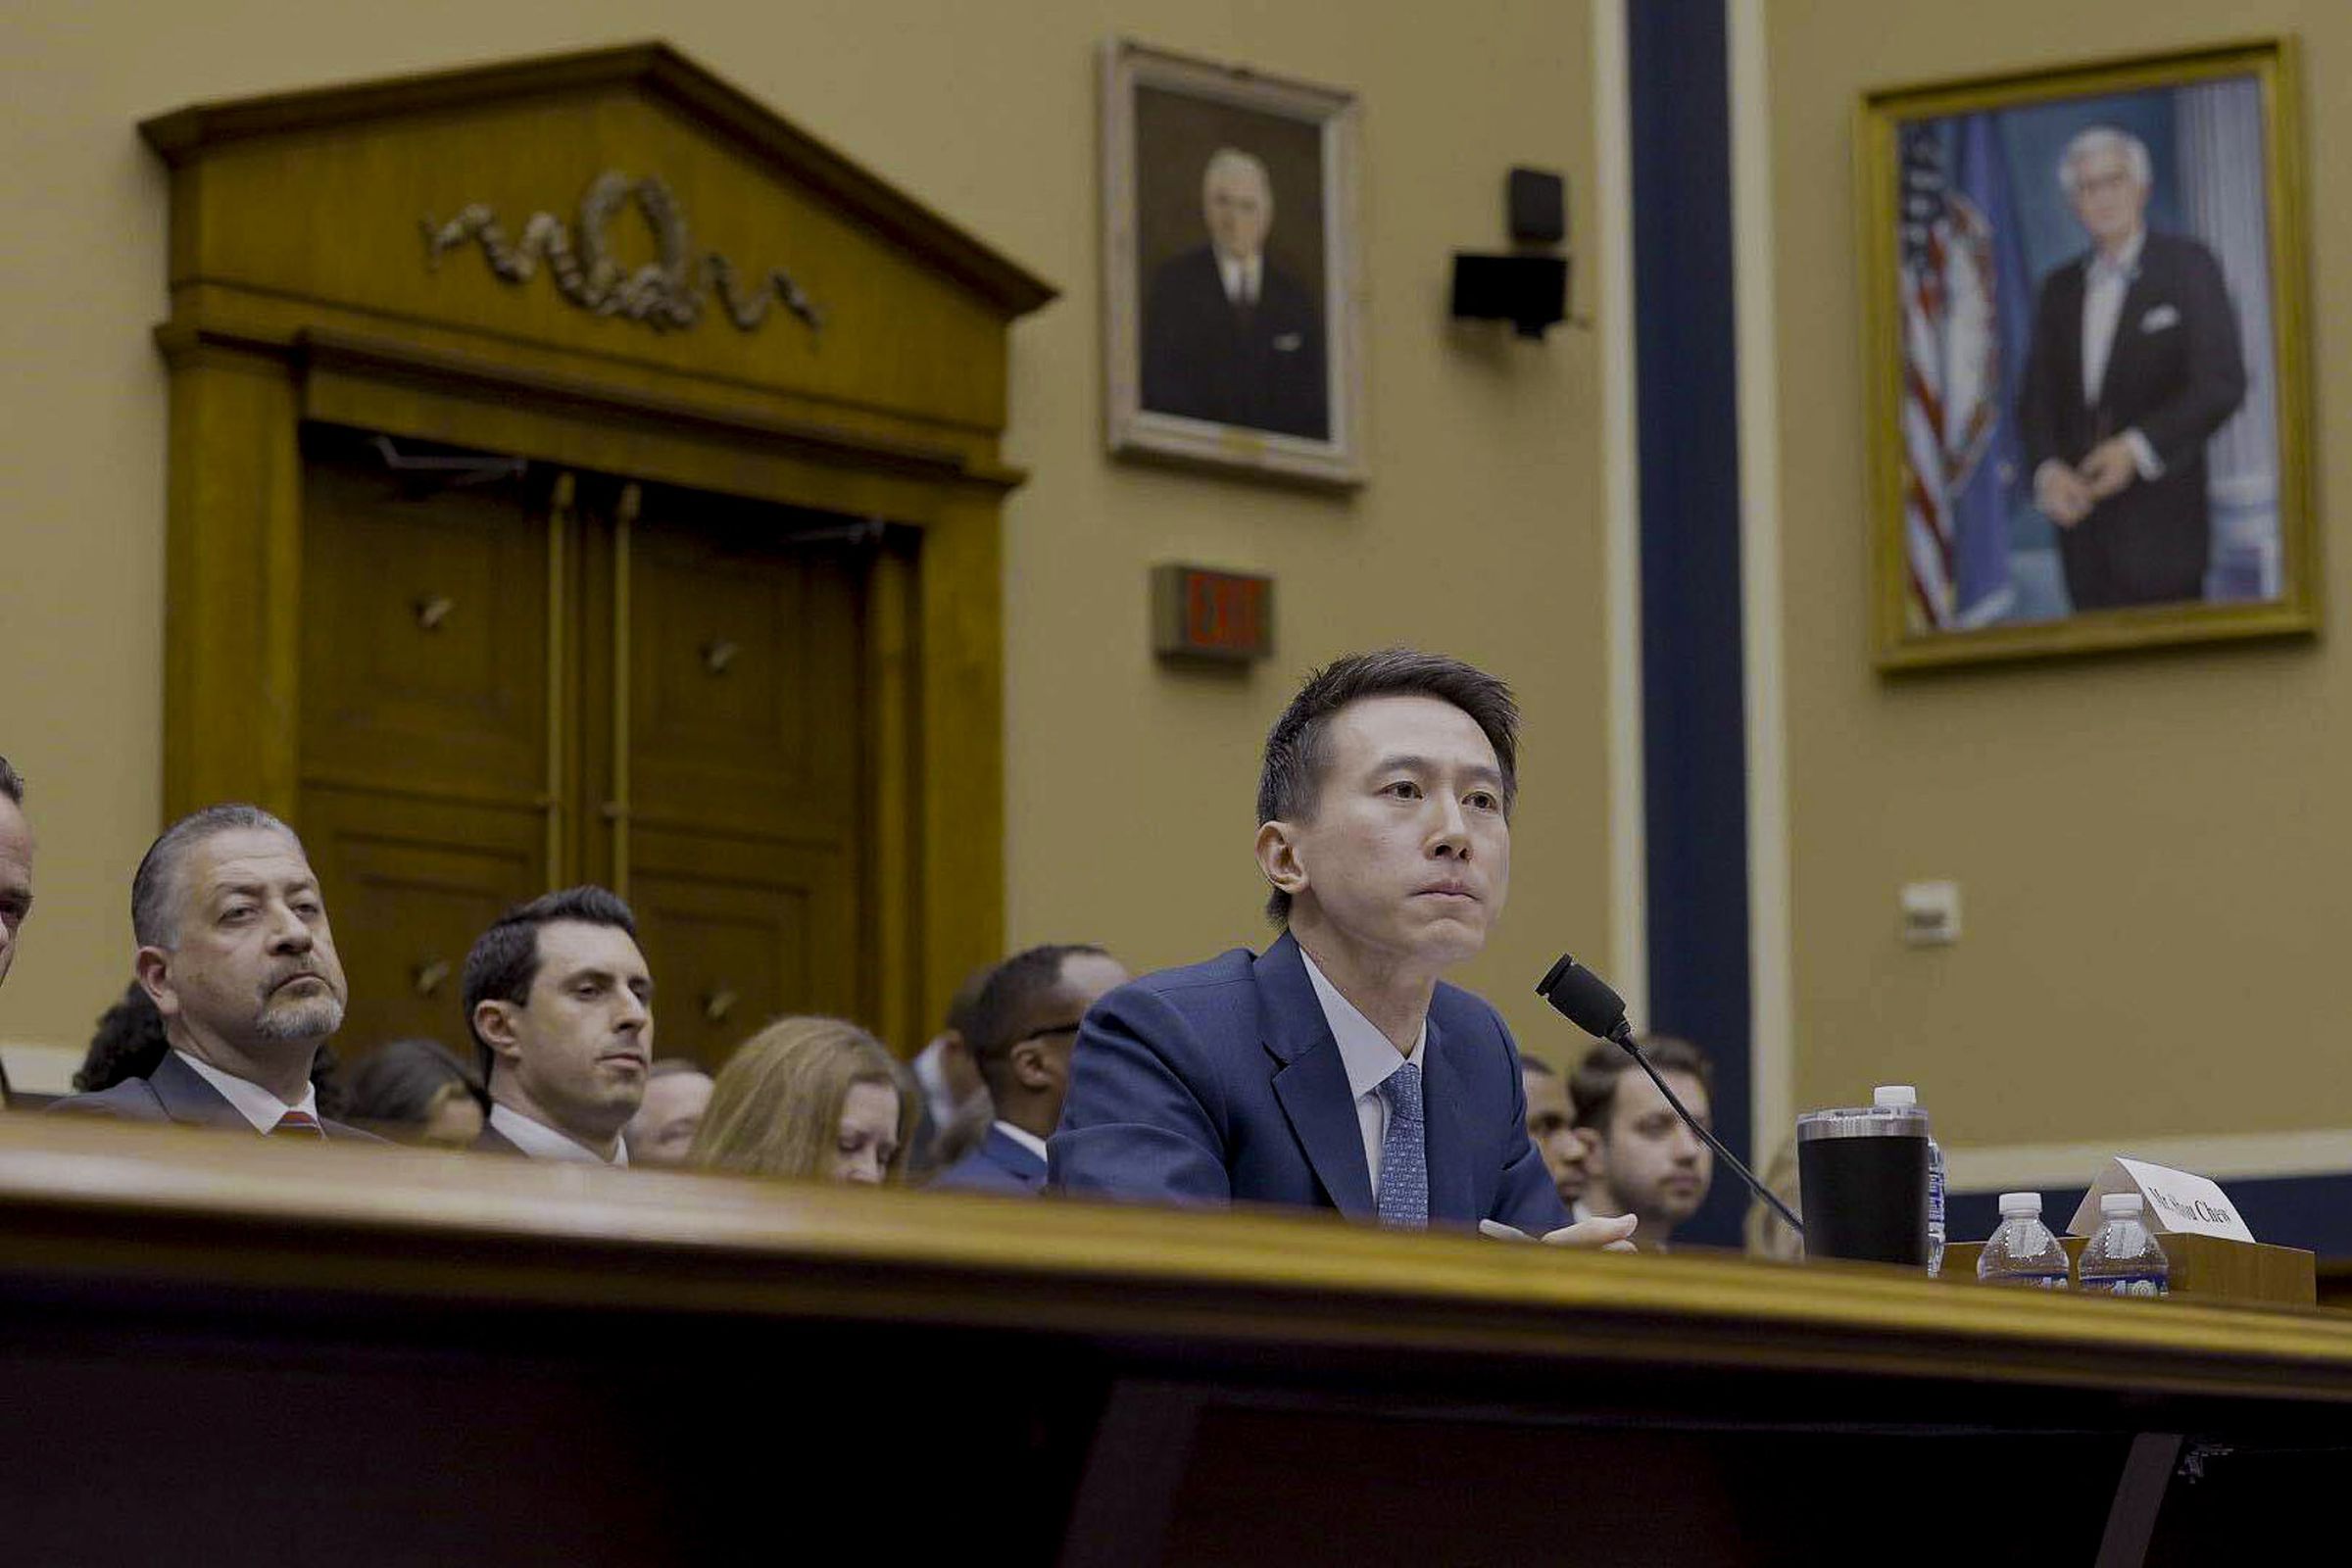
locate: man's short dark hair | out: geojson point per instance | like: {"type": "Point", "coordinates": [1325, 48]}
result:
{"type": "Point", "coordinates": [1592, 1087]}
{"type": "Point", "coordinates": [1002, 1016]}
{"type": "Point", "coordinates": [1292, 779]}
{"type": "Point", "coordinates": [505, 959]}
{"type": "Point", "coordinates": [155, 888]}
{"type": "Point", "coordinates": [11, 783]}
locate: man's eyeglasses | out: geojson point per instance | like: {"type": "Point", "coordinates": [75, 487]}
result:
{"type": "Point", "coordinates": [1069, 1028]}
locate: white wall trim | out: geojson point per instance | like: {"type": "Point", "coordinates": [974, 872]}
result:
{"type": "Point", "coordinates": [1621, 504]}
{"type": "Point", "coordinates": [41, 1066]}
{"type": "Point", "coordinates": [2005, 1167]}
{"type": "Point", "coordinates": [1772, 1059]}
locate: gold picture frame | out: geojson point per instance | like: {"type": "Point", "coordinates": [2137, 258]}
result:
{"type": "Point", "coordinates": [1255, 364]}
{"type": "Point", "coordinates": [2060, 266]}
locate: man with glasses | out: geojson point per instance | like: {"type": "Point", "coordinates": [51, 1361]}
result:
{"type": "Point", "coordinates": [1022, 1029]}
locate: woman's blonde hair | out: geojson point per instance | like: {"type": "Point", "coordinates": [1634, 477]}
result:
{"type": "Point", "coordinates": [776, 1107]}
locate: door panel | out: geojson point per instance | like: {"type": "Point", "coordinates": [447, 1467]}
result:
{"type": "Point", "coordinates": [738, 931]}
{"type": "Point", "coordinates": [409, 885]}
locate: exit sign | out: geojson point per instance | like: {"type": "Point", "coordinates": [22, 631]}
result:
{"type": "Point", "coordinates": [1199, 612]}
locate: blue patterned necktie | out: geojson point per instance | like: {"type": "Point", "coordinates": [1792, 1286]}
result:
{"type": "Point", "coordinates": [1404, 1197]}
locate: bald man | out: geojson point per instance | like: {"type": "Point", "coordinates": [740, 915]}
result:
{"type": "Point", "coordinates": [1229, 336]}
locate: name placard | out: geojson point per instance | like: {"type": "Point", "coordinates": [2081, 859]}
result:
{"type": "Point", "coordinates": [2171, 1201]}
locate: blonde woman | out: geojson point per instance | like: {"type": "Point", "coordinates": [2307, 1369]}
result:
{"type": "Point", "coordinates": [808, 1097]}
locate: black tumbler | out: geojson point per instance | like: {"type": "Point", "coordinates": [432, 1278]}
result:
{"type": "Point", "coordinates": [1862, 1176]}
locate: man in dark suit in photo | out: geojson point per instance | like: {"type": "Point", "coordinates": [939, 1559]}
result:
{"type": "Point", "coordinates": [236, 954]}
{"type": "Point", "coordinates": [1229, 336]}
{"type": "Point", "coordinates": [1023, 1026]}
{"type": "Point", "coordinates": [562, 1008]}
{"type": "Point", "coordinates": [1337, 1070]}
{"type": "Point", "coordinates": [2134, 364]}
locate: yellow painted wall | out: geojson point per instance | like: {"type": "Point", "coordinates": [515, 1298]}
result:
{"type": "Point", "coordinates": [1130, 788]}
{"type": "Point", "coordinates": [2152, 849]}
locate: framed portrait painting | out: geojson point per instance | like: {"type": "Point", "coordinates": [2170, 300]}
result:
{"type": "Point", "coordinates": [2086, 340]}
{"type": "Point", "coordinates": [1233, 270]}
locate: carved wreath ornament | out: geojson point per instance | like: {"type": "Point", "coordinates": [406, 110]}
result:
{"type": "Point", "coordinates": [667, 295]}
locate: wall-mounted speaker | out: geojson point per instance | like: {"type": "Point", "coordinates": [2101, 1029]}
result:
{"type": "Point", "coordinates": [1531, 292]}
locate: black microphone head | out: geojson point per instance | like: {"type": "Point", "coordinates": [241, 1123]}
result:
{"type": "Point", "coordinates": [1584, 999]}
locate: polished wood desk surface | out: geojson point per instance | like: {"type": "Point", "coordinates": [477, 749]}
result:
{"type": "Point", "coordinates": [84, 1199]}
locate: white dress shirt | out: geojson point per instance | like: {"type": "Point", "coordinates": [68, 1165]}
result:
{"type": "Point", "coordinates": [1369, 1057]}
{"type": "Point", "coordinates": [255, 1103]}
{"type": "Point", "coordinates": [1242, 278]}
{"type": "Point", "coordinates": [1025, 1138]}
{"type": "Point", "coordinates": [2103, 291]}
{"type": "Point", "coordinates": [542, 1142]}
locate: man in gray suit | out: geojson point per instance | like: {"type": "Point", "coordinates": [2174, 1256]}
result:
{"type": "Point", "coordinates": [236, 952]}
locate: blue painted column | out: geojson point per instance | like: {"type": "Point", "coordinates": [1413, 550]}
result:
{"type": "Point", "coordinates": [1694, 750]}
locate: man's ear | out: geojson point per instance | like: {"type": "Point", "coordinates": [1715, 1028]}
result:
{"type": "Point", "coordinates": [494, 1020]}
{"type": "Point", "coordinates": [151, 968]}
{"type": "Point", "coordinates": [1278, 858]}
{"type": "Point", "coordinates": [1030, 1069]}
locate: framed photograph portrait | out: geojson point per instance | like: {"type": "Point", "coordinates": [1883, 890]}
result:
{"type": "Point", "coordinates": [1233, 270]}
{"type": "Point", "coordinates": [2086, 340]}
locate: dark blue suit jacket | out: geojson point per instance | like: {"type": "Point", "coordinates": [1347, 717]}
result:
{"type": "Point", "coordinates": [998, 1166]}
{"type": "Point", "coordinates": [178, 1092]}
{"type": "Point", "coordinates": [1221, 1083]}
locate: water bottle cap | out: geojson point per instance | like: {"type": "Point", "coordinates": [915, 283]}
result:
{"type": "Point", "coordinates": [2014, 1205]}
{"type": "Point", "coordinates": [2121, 1206]}
{"type": "Point", "coordinates": [1894, 1097]}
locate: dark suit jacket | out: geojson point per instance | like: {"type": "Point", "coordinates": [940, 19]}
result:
{"type": "Point", "coordinates": [1221, 1083]}
{"type": "Point", "coordinates": [178, 1092]}
{"type": "Point", "coordinates": [998, 1166]}
{"type": "Point", "coordinates": [1263, 367]}
{"type": "Point", "coordinates": [2175, 374]}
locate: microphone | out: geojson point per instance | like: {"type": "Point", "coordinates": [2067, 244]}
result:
{"type": "Point", "coordinates": [1587, 1001]}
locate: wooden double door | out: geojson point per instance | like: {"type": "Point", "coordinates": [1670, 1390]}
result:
{"type": "Point", "coordinates": [516, 677]}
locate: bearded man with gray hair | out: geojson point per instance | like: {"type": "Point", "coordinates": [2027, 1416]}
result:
{"type": "Point", "coordinates": [236, 952]}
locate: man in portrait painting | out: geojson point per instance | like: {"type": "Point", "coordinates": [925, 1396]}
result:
{"type": "Point", "coordinates": [1230, 336]}
{"type": "Point", "coordinates": [2135, 363]}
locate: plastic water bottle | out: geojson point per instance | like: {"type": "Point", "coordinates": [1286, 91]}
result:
{"type": "Point", "coordinates": [2023, 1251]}
{"type": "Point", "coordinates": [2125, 1258]}
{"type": "Point", "coordinates": [1903, 1096]}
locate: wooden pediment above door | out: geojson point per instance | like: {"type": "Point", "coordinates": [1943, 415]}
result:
{"type": "Point", "coordinates": [623, 207]}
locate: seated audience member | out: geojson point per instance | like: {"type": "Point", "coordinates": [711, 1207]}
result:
{"type": "Point", "coordinates": [677, 1094]}
{"type": "Point", "coordinates": [809, 1098]}
{"type": "Point", "coordinates": [15, 878]}
{"type": "Point", "coordinates": [953, 1112]}
{"type": "Point", "coordinates": [1645, 1162]}
{"type": "Point", "coordinates": [562, 1009]}
{"type": "Point", "coordinates": [238, 957]}
{"type": "Point", "coordinates": [417, 1092]}
{"type": "Point", "coordinates": [1566, 1148]}
{"type": "Point", "coordinates": [1022, 1030]}
{"type": "Point", "coordinates": [1338, 1069]}
{"type": "Point", "coordinates": [1768, 1236]}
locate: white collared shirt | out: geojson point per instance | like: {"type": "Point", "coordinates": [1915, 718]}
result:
{"type": "Point", "coordinates": [541, 1142]}
{"type": "Point", "coordinates": [1369, 1057]}
{"type": "Point", "coordinates": [255, 1103]}
{"type": "Point", "coordinates": [2103, 291]}
{"type": "Point", "coordinates": [1242, 278]}
{"type": "Point", "coordinates": [1025, 1138]}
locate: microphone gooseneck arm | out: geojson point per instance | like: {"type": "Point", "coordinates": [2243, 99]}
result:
{"type": "Point", "coordinates": [1585, 1000]}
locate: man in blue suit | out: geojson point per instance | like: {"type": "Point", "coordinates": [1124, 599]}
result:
{"type": "Point", "coordinates": [1023, 1024]}
{"type": "Point", "coordinates": [1337, 1070]}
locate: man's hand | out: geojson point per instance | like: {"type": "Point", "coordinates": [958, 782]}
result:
{"type": "Point", "coordinates": [2112, 466]}
{"type": "Point", "coordinates": [2064, 496]}
{"type": "Point", "coordinates": [1609, 1233]}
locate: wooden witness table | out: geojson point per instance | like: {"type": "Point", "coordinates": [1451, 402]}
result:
{"type": "Point", "coordinates": [220, 1350]}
